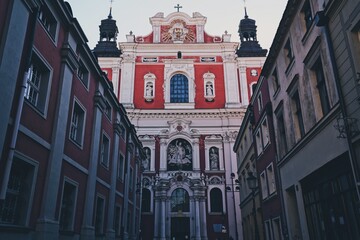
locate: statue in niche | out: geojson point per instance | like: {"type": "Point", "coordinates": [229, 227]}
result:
{"type": "Point", "coordinates": [179, 155]}
{"type": "Point", "coordinates": [214, 158]}
{"type": "Point", "coordinates": [146, 161]}
{"type": "Point", "coordinates": [149, 90]}
{"type": "Point", "coordinates": [209, 90]}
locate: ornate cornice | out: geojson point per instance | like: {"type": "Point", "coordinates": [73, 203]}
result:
{"type": "Point", "coordinates": [236, 113]}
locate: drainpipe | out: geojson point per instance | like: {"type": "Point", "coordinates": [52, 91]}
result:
{"type": "Point", "coordinates": [27, 75]}
{"type": "Point", "coordinates": [322, 21]}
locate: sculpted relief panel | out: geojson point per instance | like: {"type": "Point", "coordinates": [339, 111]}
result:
{"type": "Point", "coordinates": [178, 32]}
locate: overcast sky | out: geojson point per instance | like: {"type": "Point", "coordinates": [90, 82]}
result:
{"type": "Point", "coordinates": [133, 15]}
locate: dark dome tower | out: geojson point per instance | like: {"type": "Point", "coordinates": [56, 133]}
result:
{"type": "Point", "coordinates": [106, 46]}
{"type": "Point", "coordinates": [249, 46]}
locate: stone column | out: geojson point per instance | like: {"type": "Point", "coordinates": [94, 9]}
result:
{"type": "Point", "coordinates": [243, 86]}
{"type": "Point", "coordinates": [231, 81]}
{"type": "Point", "coordinates": [110, 232]}
{"type": "Point", "coordinates": [157, 216]}
{"type": "Point", "coordinates": [127, 77]}
{"type": "Point", "coordinates": [197, 219]}
{"type": "Point", "coordinates": [47, 225]}
{"type": "Point", "coordinates": [163, 218]}
{"type": "Point", "coordinates": [196, 155]}
{"type": "Point", "coordinates": [88, 230]}
{"type": "Point", "coordinates": [203, 223]}
{"type": "Point", "coordinates": [163, 159]}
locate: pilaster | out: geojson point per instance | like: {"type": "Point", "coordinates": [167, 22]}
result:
{"type": "Point", "coordinates": [88, 230]}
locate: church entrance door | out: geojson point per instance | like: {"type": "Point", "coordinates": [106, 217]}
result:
{"type": "Point", "coordinates": [180, 228]}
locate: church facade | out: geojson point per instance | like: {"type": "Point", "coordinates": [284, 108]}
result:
{"type": "Point", "coordinates": [186, 93]}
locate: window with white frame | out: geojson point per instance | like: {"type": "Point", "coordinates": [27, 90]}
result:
{"type": "Point", "coordinates": [77, 124]}
{"type": "Point", "coordinates": [68, 206]}
{"type": "Point", "coordinates": [48, 21]}
{"type": "Point", "coordinates": [99, 215]}
{"type": "Point", "coordinates": [105, 150]}
{"type": "Point", "coordinates": [149, 87]}
{"type": "Point", "coordinates": [38, 83]}
{"type": "Point", "coordinates": [264, 186]}
{"type": "Point", "coordinates": [15, 209]}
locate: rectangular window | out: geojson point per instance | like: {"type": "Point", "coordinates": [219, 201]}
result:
{"type": "Point", "coordinates": [37, 85]}
{"type": "Point", "coordinates": [264, 185]}
{"type": "Point", "coordinates": [117, 221]}
{"type": "Point", "coordinates": [83, 74]}
{"type": "Point", "coordinates": [275, 81]}
{"type": "Point", "coordinates": [298, 117]}
{"type": "Point", "coordinates": [259, 145]}
{"type": "Point", "coordinates": [289, 56]}
{"type": "Point", "coordinates": [123, 132]}
{"type": "Point", "coordinates": [48, 21]}
{"type": "Point", "coordinates": [321, 86]}
{"type": "Point", "coordinates": [265, 133]}
{"type": "Point", "coordinates": [260, 102]}
{"type": "Point", "coordinates": [276, 228]}
{"type": "Point", "coordinates": [307, 15]}
{"type": "Point", "coordinates": [77, 126]}
{"type": "Point", "coordinates": [120, 171]}
{"type": "Point", "coordinates": [99, 216]}
{"type": "Point", "coordinates": [68, 204]}
{"type": "Point", "coordinates": [282, 147]}
{"type": "Point", "coordinates": [14, 210]}
{"type": "Point", "coordinates": [131, 180]}
{"type": "Point", "coordinates": [271, 179]}
{"type": "Point", "coordinates": [108, 110]}
{"type": "Point", "coordinates": [105, 151]}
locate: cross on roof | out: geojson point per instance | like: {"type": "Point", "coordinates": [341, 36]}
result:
{"type": "Point", "coordinates": [178, 7]}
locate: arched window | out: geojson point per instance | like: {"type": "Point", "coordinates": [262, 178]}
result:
{"type": "Point", "coordinates": [216, 203]}
{"type": "Point", "coordinates": [180, 201]}
{"type": "Point", "coordinates": [179, 89]}
{"type": "Point", "coordinates": [146, 200]}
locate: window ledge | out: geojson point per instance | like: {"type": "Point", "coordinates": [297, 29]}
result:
{"type": "Point", "coordinates": [179, 105]}
{"type": "Point", "coordinates": [14, 228]}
